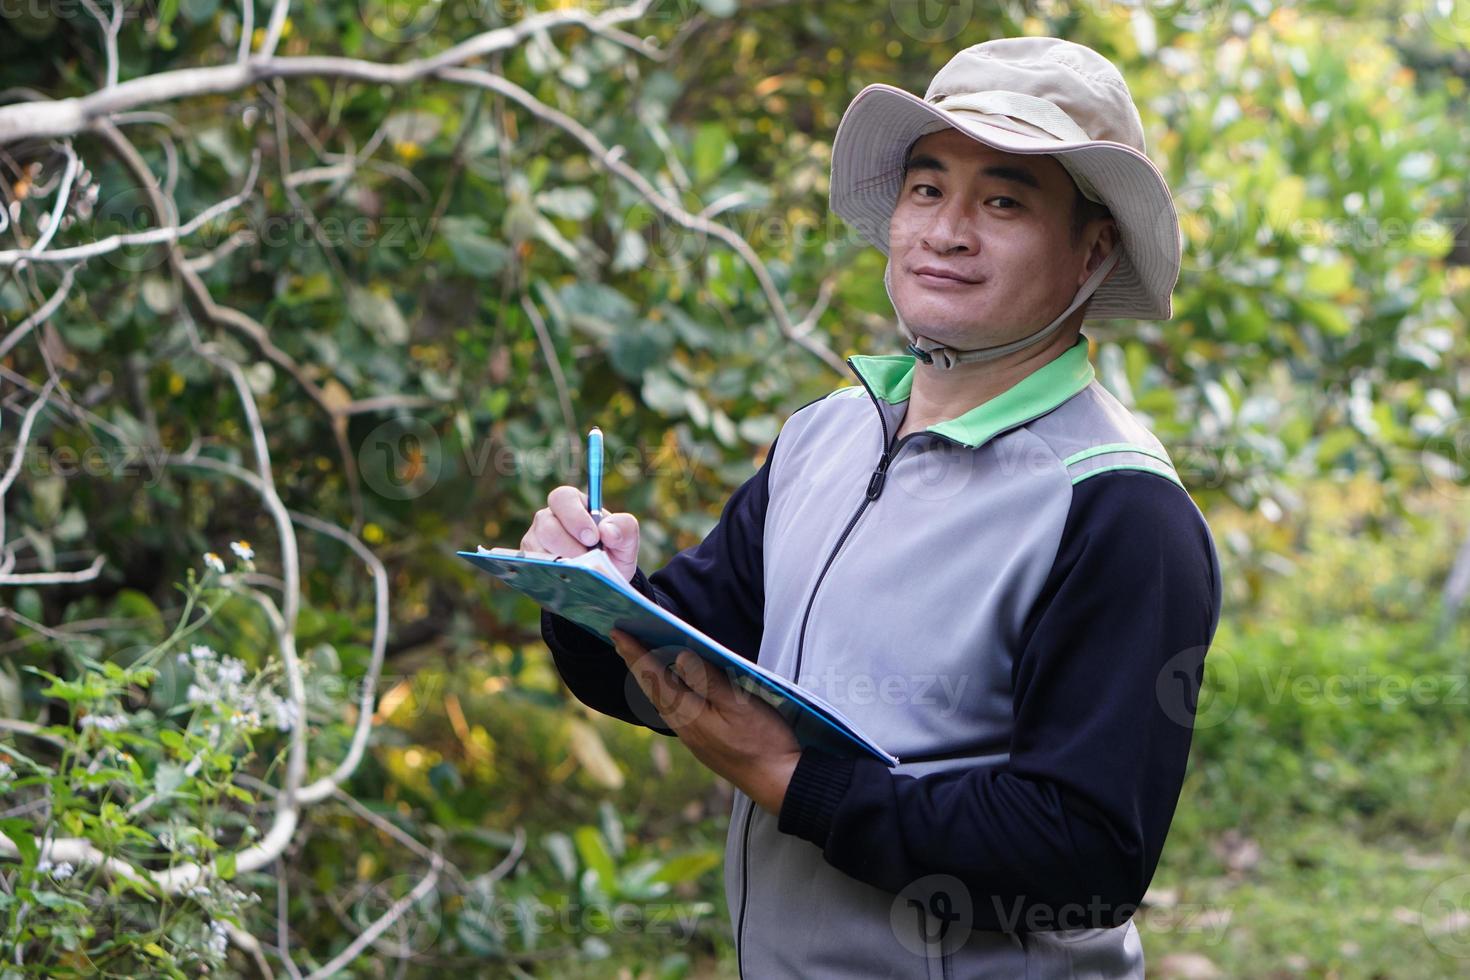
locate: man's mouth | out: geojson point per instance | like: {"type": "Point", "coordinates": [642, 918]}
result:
{"type": "Point", "coordinates": [940, 278]}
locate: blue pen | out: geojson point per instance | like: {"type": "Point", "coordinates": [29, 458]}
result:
{"type": "Point", "coordinates": [594, 476]}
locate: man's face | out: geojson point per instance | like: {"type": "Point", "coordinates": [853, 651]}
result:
{"type": "Point", "coordinates": [1001, 223]}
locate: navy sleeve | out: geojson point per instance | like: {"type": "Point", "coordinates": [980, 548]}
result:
{"type": "Point", "coordinates": [717, 585]}
{"type": "Point", "coordinates": [1067, 833]}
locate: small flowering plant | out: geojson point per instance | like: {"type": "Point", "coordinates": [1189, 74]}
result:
{"type": "Point", "coordinates": [140, 759]}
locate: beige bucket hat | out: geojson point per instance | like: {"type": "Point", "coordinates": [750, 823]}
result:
{"type": "Point", "coordinates": [1024, 95]}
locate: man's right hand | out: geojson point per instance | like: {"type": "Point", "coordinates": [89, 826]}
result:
{"type": "Point", "coordinates": [564, 528]}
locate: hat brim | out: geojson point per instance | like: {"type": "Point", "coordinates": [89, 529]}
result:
{"type": "Point", "coordinates": [867, 174]}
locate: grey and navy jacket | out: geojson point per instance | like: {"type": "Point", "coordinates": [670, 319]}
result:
{"type": "Point", "coordinates": [1017, 603]}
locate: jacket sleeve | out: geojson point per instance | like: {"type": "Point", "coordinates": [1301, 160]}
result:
{"type": "Point", "coordinates": [1067, 833]}
{"type": "Point", "coordinates": [717, 585]}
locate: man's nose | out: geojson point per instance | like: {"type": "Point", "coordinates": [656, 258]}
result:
{"type": "Point", "coordinates": [951, 230]}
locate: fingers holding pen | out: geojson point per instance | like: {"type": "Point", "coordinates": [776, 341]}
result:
{"type": "Point", "coordinates": [569, 506]}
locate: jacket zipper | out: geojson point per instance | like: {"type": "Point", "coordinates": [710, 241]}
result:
{"type": "Point", "coordinates": [875, 487]}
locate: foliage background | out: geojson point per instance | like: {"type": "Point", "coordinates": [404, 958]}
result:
{"type": "Point", "coordinates": [466, 287]}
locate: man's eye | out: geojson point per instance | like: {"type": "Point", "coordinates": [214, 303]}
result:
{"type": "Point", "coordinates": [920, 187]}
{"type": "Point", "coordinates": [1013, 202]}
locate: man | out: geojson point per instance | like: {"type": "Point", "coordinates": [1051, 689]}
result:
{"type": "Point", "coordinates": [978, 555]}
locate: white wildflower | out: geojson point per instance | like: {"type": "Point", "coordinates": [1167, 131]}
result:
{"type": "Point", "coordinates": [63, 871]}
{"type": "Point", "coordinates": [213, 562]}
{"type": "Point", "coordinates": [6, 773]}
{"type": "Point", "coordinates": [200, 652]}
{"type": "Point", "coordinates": [231, 670]}
{"type": "Point", "coordinates": [107, 723]}
{"type": "Point", "coordinates": [43, 866]}
{"type": "Point", "coordinates": [242, 549]}
{"type": "Point", "coordinates": [285, 713]}
{"type": "Point", "coordinates": [219, 938]}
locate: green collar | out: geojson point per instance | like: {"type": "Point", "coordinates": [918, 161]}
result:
{"type": "Point", "coordinates": [891, 378]}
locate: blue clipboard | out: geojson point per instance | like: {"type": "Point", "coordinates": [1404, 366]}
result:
{"type": "Point", "coordinates": [590, 592]}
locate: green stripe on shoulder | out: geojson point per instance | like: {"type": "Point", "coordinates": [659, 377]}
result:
{"type": "Point", "coordinates": [1139, 467]}
{"type": "Point", "coordinates": [1114, 447]}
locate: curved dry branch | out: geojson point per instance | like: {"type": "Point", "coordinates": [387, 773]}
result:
{"type": "Point", "coordinates": [42, 314]}
{"type": "Point", "coordinates": [22, 439]}
{"type": "Point", "coordinates": [611, 159]}
{"type": "Point", "coordinates": [55, 578]}
{"type": "Point", "coordinates": [205, 308]}
{"type": "Point", "coordinates": [65, 117]}
{"type": "Point", "coordinates": [164, 234]}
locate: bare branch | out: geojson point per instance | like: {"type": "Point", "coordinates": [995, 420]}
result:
{"type": "Point", "coordinates": [247, 30]}
{"type": "Point", "coordinates": [110, 26]}
{"type": "Point", "coordinates": [205, 308]}
{"type": "Point", "coordinates": [153, 236]}
{"type": "Point", "coordinates": [321, 788]}
{"type": "Point", "coordinates": [226, 248]}
{"type": "Point", "coordinates": [63, 194]}
{"type": "Point", "coordinates": [22, 440]}
{"type": "Point", "coordinates": [41, 315]}
{"type": "Point", "coordinates": [283, 931]}
{"type": "Point", "coordinates": [252, 948]}
{"type": "Point", "coordinates": [399, 908]}
{"type": "Point", "coordinates": [55, 578]}
{"type": "Point", "coordinates": [273, 29]}
{"type": "Point", "coordinates": [611, 160]}
{"type": "Point", "coordinates": [64, 117]}
{"type": "Point", "coordinates": [380, 403]}
{"type": "Point", "coordinates": [81, 853]}
{"type": "Point", "coordinates": [553, 363]}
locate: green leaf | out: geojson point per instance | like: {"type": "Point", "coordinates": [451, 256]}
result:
{"type": "Point", "coordinates": [711, 147]}
{"type": "Point", "coordinates": [475, 253]}
{"type": "Point", "coordinates": [224, 865]}
{"type": "Point", "coordinates": [172, 739]}
{"type": "Point", "coordinates": [576, 203]}
{"type": "Point", "coordinates": [688, 867]}
{"type": "Point", "coordinates": [77, 691]}
{"type": "Point", "coordinates": [634, 351]}
{"type": "Point", "coordinates": [594, 855]}
{"type": "Point", "coordinates": [199, 11]}
{"type": "Point", "coordinates": [21, 834]}
{"type": "Point", "coordinates": [169, 777]}
{"type": "Point", "coordinates": [663, 394]}
{"type": "Point", "coordinates": [379, 313]}
{"type": "Point", "coordinates": [476, 929]}
{"type": "Point", "coordinates": [562, 854]}
{"type": "Point", "coordinates": [1327, 315]}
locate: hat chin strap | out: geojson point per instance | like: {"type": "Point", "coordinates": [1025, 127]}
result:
{"type": "Point", "coordinates": [931, 352]}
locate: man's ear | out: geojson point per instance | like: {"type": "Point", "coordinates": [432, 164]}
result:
{"type": "Point", "coordinates": [1101, 245]}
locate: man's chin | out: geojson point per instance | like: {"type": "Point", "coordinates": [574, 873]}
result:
{"type": "Point", "coordinates": [966, 337]}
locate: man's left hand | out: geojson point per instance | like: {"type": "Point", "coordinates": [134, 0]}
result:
{"type": "Point", "coordinates": [728, 729]}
